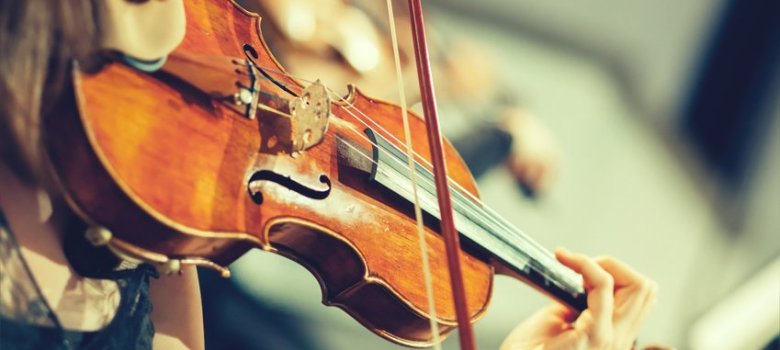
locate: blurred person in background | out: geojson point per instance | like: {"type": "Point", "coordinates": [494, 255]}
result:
{"type": "Point", "coordinates": [315, 39]}
{"type": "Point", "coordinates": [347, 42]}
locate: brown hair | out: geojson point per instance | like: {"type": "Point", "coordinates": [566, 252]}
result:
{"type": "Point", "coordinates": [38, 39]}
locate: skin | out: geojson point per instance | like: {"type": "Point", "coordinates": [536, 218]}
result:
{"type": "Point", "coordinates": [619, 299]}
{"type": "Point", "coordinates": [177, 313]}
{"type": "Point", "coordinates": [535, 158]}
{"type": "Point", "coordinates": [146, 30]}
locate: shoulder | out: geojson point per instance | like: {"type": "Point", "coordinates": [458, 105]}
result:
{"type": "Point", "coordinates": [146, 30]}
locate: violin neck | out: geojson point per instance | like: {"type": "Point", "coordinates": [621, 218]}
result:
{"type": "Point", "coordinates": [516, 253]}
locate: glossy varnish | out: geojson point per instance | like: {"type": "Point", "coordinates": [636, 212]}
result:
{"type": "Point", "coordinates": [165, 168]}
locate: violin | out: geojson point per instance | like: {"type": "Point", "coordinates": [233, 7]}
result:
{"type": "Point", "coordinates": [218, 150]}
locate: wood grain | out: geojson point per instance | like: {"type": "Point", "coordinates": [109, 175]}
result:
{"type": "Point", "coordinates": [166, 168]}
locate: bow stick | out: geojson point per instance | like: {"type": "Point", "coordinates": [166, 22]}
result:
{"type": "Point", "coordinates": [430, 112]}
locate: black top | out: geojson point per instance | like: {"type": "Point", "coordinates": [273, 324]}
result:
{"type": "Point", "coordinates": [27, 321]}
{"type": "Point", "coordinates": [483, 148]}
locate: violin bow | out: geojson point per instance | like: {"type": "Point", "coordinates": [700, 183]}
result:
{"type": "Point", "coordinates": [430, 112]}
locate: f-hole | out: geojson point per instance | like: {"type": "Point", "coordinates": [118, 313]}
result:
{"type": "Point", "coordinates": [289, 183]}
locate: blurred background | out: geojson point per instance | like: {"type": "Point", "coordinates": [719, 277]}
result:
{"type": "Point", "coordinates": [651, 128]}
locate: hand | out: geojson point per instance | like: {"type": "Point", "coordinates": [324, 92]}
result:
{"type": "Point", "coordinates": [534, 160]}
{"type": "Point", "coordinates": [619, 298]}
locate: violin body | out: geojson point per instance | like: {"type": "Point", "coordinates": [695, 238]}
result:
{"type": "Point", "coordinates": [168, 170]}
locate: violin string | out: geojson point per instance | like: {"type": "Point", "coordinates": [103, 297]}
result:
{"type": "Point", "coordinates": [411, 155]}
{"type": "Point", "coordinates": [376, 126]}
{"type": "Point", "coordinates": [462, 203]}
{"type": "Point", "coordinates": [484, 211]}
{"type": "Point", "coordinates": [490, 215]}
{"type": "Point", "coordinates": [428, 280]}
{"type": "Point", "coordinates": [499, 225]}
{"type": "Point", "coordinates": [364, 123]}
{"type": "Point", "coordinates": [494, 216]}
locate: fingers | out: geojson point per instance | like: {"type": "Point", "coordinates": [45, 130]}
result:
{"type": "Point", "coordinates": [539, 328]}
{"type": "Point", "coordinates": [562, 312]}
{"type": "Point", "coordinates": [643, 290]}
{"type": "Point", "coordinates": [633, 300]}
{"type": "Point", "coordinates": [600, 293]}
{"type": "Point", "coordinates": [622, 273]}
{"type": "Point", "coordinates": [619, 299]}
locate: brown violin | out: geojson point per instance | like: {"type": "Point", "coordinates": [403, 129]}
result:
{"type": "Point", "coordinates": [218, 151]}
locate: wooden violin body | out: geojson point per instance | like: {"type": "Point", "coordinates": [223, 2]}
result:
{"type": "Point", "coordinates": [167, 170]}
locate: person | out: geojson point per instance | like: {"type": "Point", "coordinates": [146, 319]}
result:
{"type": "Point", "coordinates": [58, 292]}
{"type": "Point", "coordinates": [49, 301]}
{"type": "Point", "coordinates": [619, 299]}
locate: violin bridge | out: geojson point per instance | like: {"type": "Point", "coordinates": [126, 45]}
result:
{"type": "Point", "coordinates": [302, 126]}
